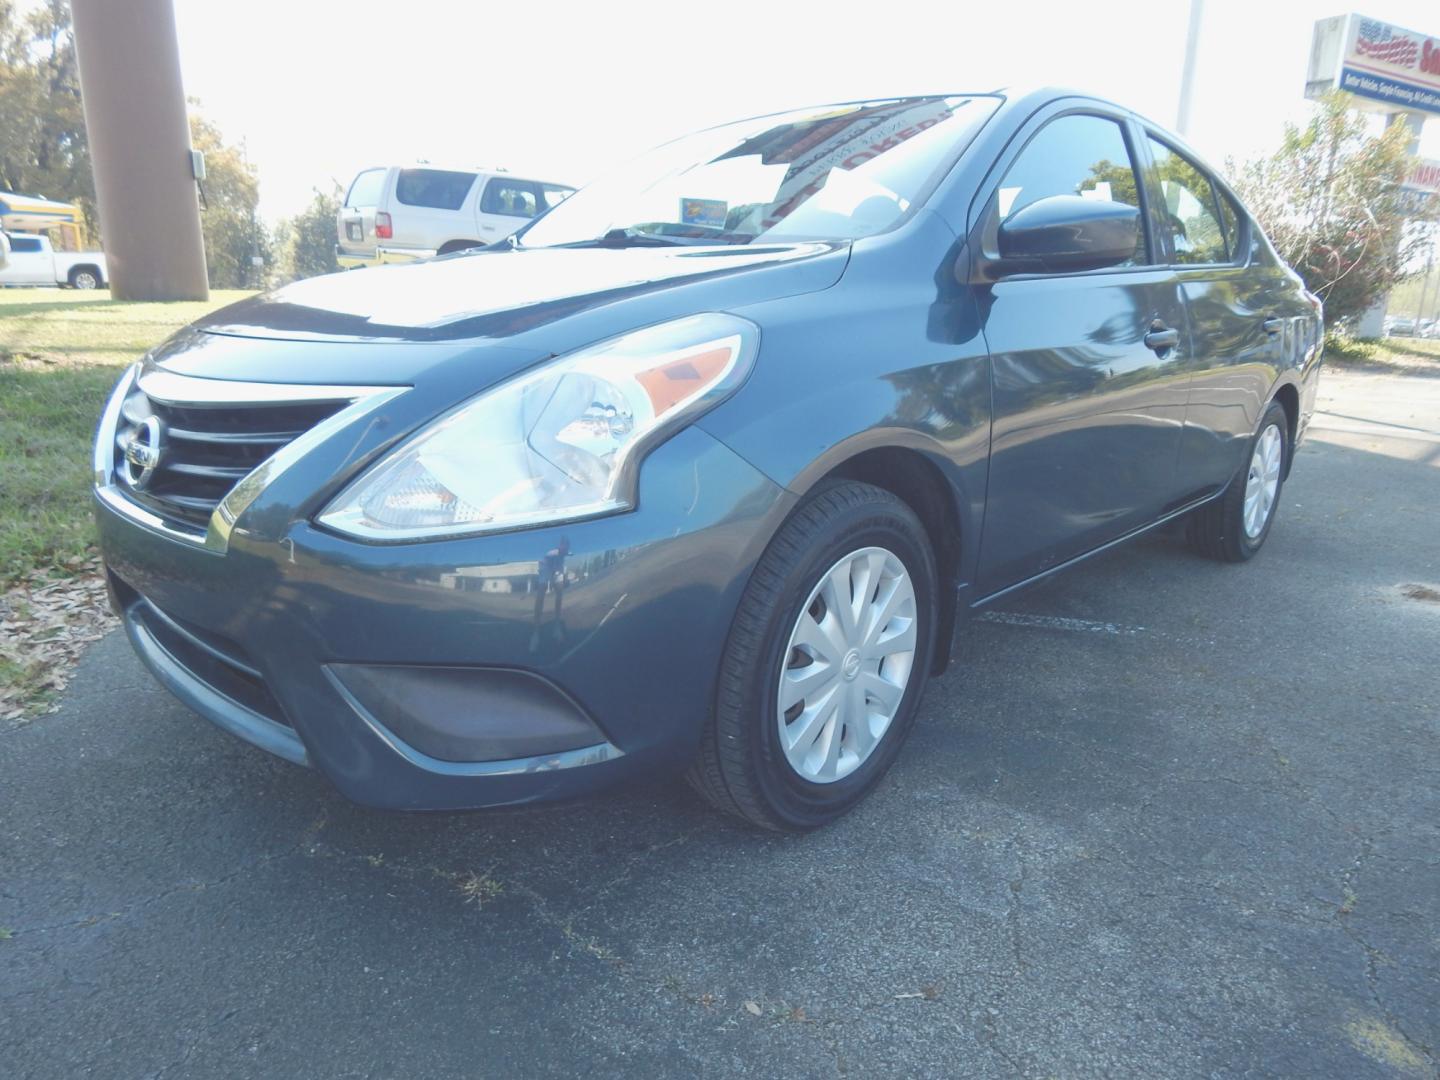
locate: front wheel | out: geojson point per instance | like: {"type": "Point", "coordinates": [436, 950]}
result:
{"type": "Point", "coordinates": [1233, 527]}
{"type": "Point", "coordinates": [825, 664]}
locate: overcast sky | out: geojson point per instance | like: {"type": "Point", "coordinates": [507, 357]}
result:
{"type": "Point", "coordinates": [562, 90]}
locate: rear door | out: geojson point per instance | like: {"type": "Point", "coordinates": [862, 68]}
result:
{"type": "Point", "coordinates": [1244, 314]}
{"type": "Point", "coordinates": [428, 208]}
{"type": "Point", "coordinates": [508, 202]}
{"type": "Point", "coordinates": [356, 224]}
{"type": "Point", "coordinates": [1088, 375]}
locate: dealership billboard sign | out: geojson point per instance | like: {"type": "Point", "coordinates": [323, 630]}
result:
{"type": "Point", "coordinates": [1424, 176]}
{"type": "Point", "coordinates": [1383, 67]}
{"type": "Point", "coordinates": [1421, 186]}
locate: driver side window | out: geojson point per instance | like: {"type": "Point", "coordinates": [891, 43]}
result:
{"type": "Point", "coordinates": [1074, 155]}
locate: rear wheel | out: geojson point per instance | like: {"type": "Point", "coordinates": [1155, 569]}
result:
{"type": "Point", "coordinates": [84, 278]}
{"type": "Point", "coordinates": [1233, 527]}
{"type": "Point", "coordinates": [826, 661]}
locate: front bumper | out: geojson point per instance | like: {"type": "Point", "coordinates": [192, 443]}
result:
{"type": "Point", "coordinates": [623, 617]}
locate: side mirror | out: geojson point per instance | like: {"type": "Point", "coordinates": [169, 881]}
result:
{"type": "Point", "coordinates": [1067, 232]}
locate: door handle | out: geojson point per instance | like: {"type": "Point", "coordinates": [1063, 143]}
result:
{"type": "Point", "coordinates": [1161, 337]}
{"type": "Point", "coordinates": [1273, 325]}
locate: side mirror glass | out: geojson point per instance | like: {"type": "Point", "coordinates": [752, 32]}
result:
{"type": "Point", "coordinates": [1067, 233]}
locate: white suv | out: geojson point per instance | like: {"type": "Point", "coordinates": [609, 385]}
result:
{"type": "Point", "coordinates": [397, 213]}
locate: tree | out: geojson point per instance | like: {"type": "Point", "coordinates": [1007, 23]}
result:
{"type": "Point", "coordinates": [233, 232]}
{"type": "Point", "coordinates": [43, 149]}
{"type": "Point", "coordinates": [306, 242]}
{"type": "Point", "coordinates": [1330, 200]}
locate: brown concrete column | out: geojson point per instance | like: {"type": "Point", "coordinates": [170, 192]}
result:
{"type": "Point", "coordinates": [140, 149]}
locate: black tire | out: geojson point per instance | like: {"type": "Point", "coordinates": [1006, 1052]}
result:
{"type": "Point", "coordinates": [1217, 529]}
{"type": "Point", "coordinates": [741, 767]}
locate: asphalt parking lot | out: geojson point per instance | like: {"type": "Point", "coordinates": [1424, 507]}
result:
{"type": "Point", "coordinates": [1168, 818]}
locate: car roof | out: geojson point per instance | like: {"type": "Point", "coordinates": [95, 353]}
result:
{"type": "Point", "coordinates": [479, 170]}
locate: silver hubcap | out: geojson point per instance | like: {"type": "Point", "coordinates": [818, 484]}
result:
{"type": "Point", "coordinates": [847, 665]}
{"type": "Point", "coordinates": [85, 281]}
{"type": "Point", "coordinates": [1263, 480]}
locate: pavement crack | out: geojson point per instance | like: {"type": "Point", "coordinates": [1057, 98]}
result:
{"type": "Point", "coordinates": [639, 858]}
{"type": "Point", "coordinates": [194, 1044]}
{"type": "Point", "coordinates": [1374, 957]}
{"type": "Point", "coordinates": [1013, 910]}
{"type": "Point", "coordinates": [140, 903]}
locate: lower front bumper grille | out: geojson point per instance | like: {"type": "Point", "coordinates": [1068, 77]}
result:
{"type": "Point", "coordinates": [209, 673]}
{"type": "Point", "coordinates": [211, 660]}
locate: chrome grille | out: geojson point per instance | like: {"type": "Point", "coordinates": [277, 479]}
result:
{"type": "Point", "coordinates": [201, 449]}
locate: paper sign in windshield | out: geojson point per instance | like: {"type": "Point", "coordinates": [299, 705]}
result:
{"type": "Point", "coordinates": [709, 212]}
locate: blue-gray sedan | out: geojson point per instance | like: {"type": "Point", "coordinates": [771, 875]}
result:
{"type": "Point", "coordinates": [702, 470]}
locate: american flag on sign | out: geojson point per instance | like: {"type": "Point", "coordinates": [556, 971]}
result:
{"type": "Point", "coordinates": [1377, 41]}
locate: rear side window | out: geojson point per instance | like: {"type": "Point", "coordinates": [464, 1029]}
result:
{"type": "Point", "coordinates": [513, 198]}
{"type": "Point", "coordinates": [1074, 155]}
{"type": "Point", "coordinates": [1189, 208]}
{"type": "Point", "coordinates": [366, 189]}
{"type": "Point", "coordinates": [25, 245]}
{"type": "Point", "coordinates": [439, 189]}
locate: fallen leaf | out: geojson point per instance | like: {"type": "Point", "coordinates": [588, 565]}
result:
{"type": "Point", "coordinates": [752, 1008]}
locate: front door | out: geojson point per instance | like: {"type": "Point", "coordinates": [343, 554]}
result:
{"type": "Point", "coordinates": [1088, 386]}
{"type": "Point", "coordinates": [30, 262]}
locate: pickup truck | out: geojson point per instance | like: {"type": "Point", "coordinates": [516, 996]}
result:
{"type": "Point", "coordinates": [33, 261]}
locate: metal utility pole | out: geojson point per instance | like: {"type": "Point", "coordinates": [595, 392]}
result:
{"type": "Point", "coordinates": [139, 137]}
{"type": "Point", "coordinates": [1187, 73]}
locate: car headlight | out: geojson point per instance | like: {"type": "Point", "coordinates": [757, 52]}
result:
{"type": "Point", "coordinates": [557, 443]}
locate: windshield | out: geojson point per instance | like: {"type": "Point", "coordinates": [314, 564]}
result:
{"type": "Point", "coordinates": [835, 173]}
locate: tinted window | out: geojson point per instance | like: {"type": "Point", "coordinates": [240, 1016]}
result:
{"type": "Point", "coordinates": [25, 244]}
{"type": "Point", "coordinates": [1074, 155]}
{"type": "Point", "coordinates": [365, 189]}
{"type": "Point", "coordinates": [1189, 208]}
{"type": "Point", "coordinates": [513, 198]}
{"type": "Point", "coordinates": [438, 189]}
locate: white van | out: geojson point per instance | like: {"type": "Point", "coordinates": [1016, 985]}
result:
{"type": "Point", "coordinates": [397, 213]}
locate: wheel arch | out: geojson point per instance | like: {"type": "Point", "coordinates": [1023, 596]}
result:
{"type": "Point", "coordinates": [451, 246]}
{"type": "Point", "coordinates": [81, 267]}
{"type": "Point", "coordinates": [1288, 397]}
{"type": "Point", "coordinates": [916, 477]}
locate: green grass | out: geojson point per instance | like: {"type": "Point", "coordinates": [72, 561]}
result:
{"type": "Point", "coordinates": [60, 353]}
{"type": "Point", "coordinates": [1412, 356]}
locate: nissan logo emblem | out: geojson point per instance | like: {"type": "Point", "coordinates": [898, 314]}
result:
{"type": "Point", "coordinates": [141, 448]}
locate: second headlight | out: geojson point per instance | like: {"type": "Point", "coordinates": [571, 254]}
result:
{"type": "Point", "coordinates": [554, 444]}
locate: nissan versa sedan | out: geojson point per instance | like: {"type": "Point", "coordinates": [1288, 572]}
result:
{"type": "Point", "coordinates": [702, 470]}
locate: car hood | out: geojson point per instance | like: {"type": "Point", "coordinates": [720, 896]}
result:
{"type": "Point", "coordinates": [493, 293]}
{"type": "Point", "coordinates": [488, 313]}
